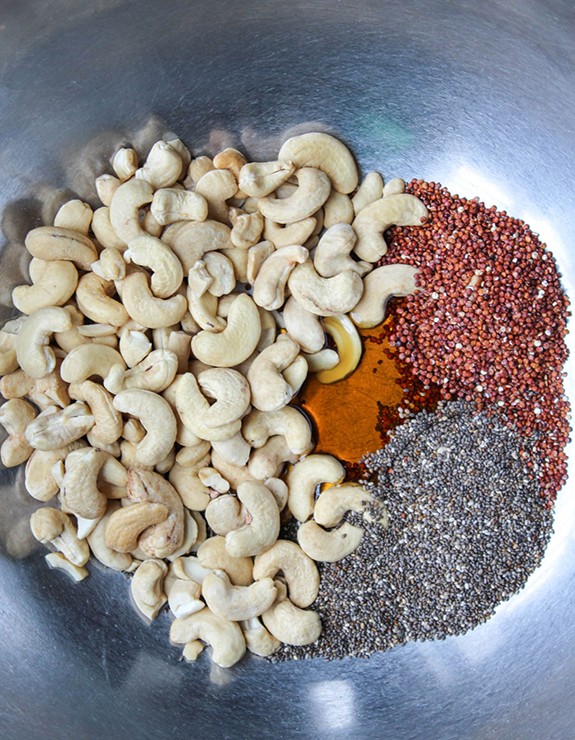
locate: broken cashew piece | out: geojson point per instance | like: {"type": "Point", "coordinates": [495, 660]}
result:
{"type": "Point", "coordinates": [54, 283]}
{"type": "Point", "coordinates": [167, 272]}
{"type": "Point", "coordinates": [325, 152]}
{"type": "Point", "coordinates": [332, 254]}
{"type": "Point", "coordinates": [163, 166]}
{"type": "Point", "coordinates": [155, 413]}
{"type": "Point", "coordinates": [56, 427]}
{"type": "Point", "coordinates": [257, 255]}
{"type": "Point", "coordinates": [333, 503]}
{"type": "Point", "coordinates": [146, 587]}
{"type": "Point", "coordinates": [270, 282]}
{"type": "Point", "coordinates": [237, 603]}
{"type": "Point", "coordinates": [269, 390]}
{"type": "Point", "coordinates": [328, 547]}
{"type": "Point", "coordinates": [39, 480]}
{"type": "Point", "coordinates": [213, 480]}
{"type": "Point", "coordinates": [125, 163]}
{"type": "Point", "coordinates": [74, 215]}
{"type": "Point", "coordinates": [259, 426]}
{"type": "Point", "coordinates": [325, 296]}
{"type": "Point", "coordinates": [59, 561]}
{"type": "Point", "coordinates": [312, 192]}
{"type": "Point", "coordinates": [258, 179]}
{"type": "Point", "coordinates": [378, 287]}
{"type": "Point", "coordinates": [305, 477]}
{"type": "Point", "coordinates": [106, 186]}
{"type": "Point", "coordinates": [225, 637]}
{"type": "Point", "coordinates": [80, 492]}
{"type": "Point", "coordinates": [221, 269]}
{"type": "Point", "coordinates": [213, 554]}
{"type": "Point", "coordinates": [52, 526]}
{"type": "Point", "coordinates": [184, 598]}
{"type": "Point", "coordinates": [299, 570]}
{"type": "Point", "coordinates": [264, 526]}
{"type": "Point", "coordinates": [234, 450]}
{"type": "Point", "coordinates": [15, 415]}
{"type": "Point", "coordinates": [125, 525]}
{"type": "Point", "coordinates": [290, 624]}
{"type": "Point", "coordinates": [247, 228]}
{"type": "Point", "coordinates": [349, 348]}
{"type": "Point", "coordinates": [34, 355]}
{"type": "Point", "coordinates": [401, 209]}
{"type": "Point", "coordinates": [258, 640]}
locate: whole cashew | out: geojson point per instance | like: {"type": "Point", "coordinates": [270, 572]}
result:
{"type": "Point", "coordinates": [269, 390]}
{"type": "Point", "coordinates": [305, 477]}
{"type": "Point", "coordinates": [192, 407]}
{"type": "Point", "coordinates": [303, 326]}
{"type": "Point", "coordinates": [259, 425]}
{"type": "Point", "coordinates": [160, 540]}
{"type": "Point", "coordinates": [146, 587]}
{"type": "Point", "coordinates": [74, 215]}
{"type": "Point", "coordinates": [268, 461]}
{"type": "Point", "coordinates": [39, 479]}
{"type": "Point", "coordinates": [217, 186]}
{"type": "Point", "coordinates": [187, 483]}
{"type": "Point", "coordinates": [213, 554]}
{"type": "Point", "coordinates": [370, 190]}
{"type": "Point", "coordinates": [154, 373]}
{"type": "Point", "coordinates": [53, 243]}
{"type": "Point", "coordinates": [349, 348]}
{"type": "Point", "coordinates": [378, 287]}
{"type": "Point", "coordinates": [145, 308]}
{"type": "Point", "coordinates": [125, 525]}
{"type": "Point", "coordinates": [94, 301]}
{"type": "Point", "coordinates": [106, 186]}
{"type": "Point", "coordinates": [105, 232]}
{"type": "Point", "coordinates": [290, 624]}
{"type": "Point", "coordinates": [156, 415]}
{"type": "Point", "coordinates": [56, 427]}
{"type": "Point", "coordinates": [203, 305]}
{"type": "Point", "coordinates": [171, 204]}
{"type": "Point", "coordinates": [333, 503]}
{"type": "Point", "coordinates": [87, 360]}
{"type": "Point", "coordinates": [125, 163]}
{"type": "Point", "coordinates": [236, 342]}
{"type": "Point", "coordinates": [15, 415]}
{"type": "Point", "coordinates": [338, 209]}
{"type": "Point", "coordinates": [258, 640]}
{"type": "Point", "coordinates": [97, 541]}
{"type": "Point", "coordinates": [284, 236]}
{"type": "Point", "coordinates": [296, 373]}
{"type": "Point", "coordinates": [192, 239]}
{"type": "Point", "coordinates": [263, 529]}
{"type": "Point", "coordinates": [225, 637]}
{"type": "Point", "coordinates": [237, 602]}
{"type": "Point", "coordinates": [51, 526]}
{"type": "Point", "coordinates": [54, 283]}
{"type": "Point", "coordinates": [163, 166]}
{"type": "Point", "coordinates": [269, 285]}
{"type": "Point", "coordinates": [232, 393]}
{"type": "Point", "coordinates": [257, 179]}
{"type": "Point", "coordinates": [325, 296]}
{"type": "Point", "coordinates": [332, 254]}
{"type": "Point", "coordinates": [167, 272]}
{"type": "Point", "coordinates": [313, 190]}
{"type": "Point", "coordinates": [125, 208]}
{"type": "Point", "coordinates": [328, 547]}
{"type": "Point", "coordinates": [299, 570]}
{"type": "Point", "coordinates": [34, 355]}
{"type": "Point", "coordinates": [80, 491]}
{"type": "Point", "coordinates": [225, 513]}
{"type": "Point", "coordinates": [325, 152]}
{"type": "Point", "coordinates": [401, 209]}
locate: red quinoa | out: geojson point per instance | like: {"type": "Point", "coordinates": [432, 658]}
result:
{"type": "Point", "coordinates": [489, 319]}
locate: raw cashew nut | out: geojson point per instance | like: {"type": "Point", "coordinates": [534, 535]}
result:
{"type": "Point", "coordinates": [401, 209]}
{"type": "Point", "coordinates": [258, 640]}
{"type": "Point", "coordinates": [239, 259]}
{"type": "Point", "coordinates": [305, 477]}
{"type": "Point", "coordinates": [313, 190]}
{"type": "Point", "coordinates": [53, 243]}
{"type": "Point", "coordinates": [325, 152]}
{"type": "Point", "coordinates": [213, 554]}
{"type": "Point", "coordinates": [34, 355]}
{"type": "Point", "coordinates": [237, 602]}
{"type": "Point", "coordinates": [333, 503]}
{"type": "Point", "coordinates": [234, 450]}
{"type": "Point", "coordinates": [192, 239]}
{"type": "Point", "coordinates": [125, 163]}
{"type": "Point", "coordinates": [263, 529]}
{"type": "Point", "coordinates": [303, 326]}
{"type": "Point", "coordinates": [39, 480]}
{"type": "Point", "coordinates": [106, 186]}
{"type": "Point", "coordinates": [111, 265]}
{"type": "Point", "coordinates": [213, 480]}
{"type": "Point", "coordinates": [225, 513]}
{"type": "Point", "coordinates": [234, 474]}
{"type": "Point", "coordinates": [167, 272]}
{"type": "Point", "coordinates": [225, 637]}
{"type": "Point", "coordinates": [97, 541]}
{"type": "Point", "coordinates": [80, 491]}
{"type": "Point", "coordinates": [163, 539]}
{"type": "Point", "coordinates": [134, 344]}
{"type": "Point", "coordinates": [146, 587]}
{"type": "Point", "coordinates": [15, 415]}
{"type": "Point", "coordinates": [370, 190]}
{"type": "Point", "coordinates": [74, 215]}
{"type": "Point", "coordinates": [337, 209]}
{"type": "Point", "coordinates": [155, 413]}
{"type": "Point", "coordinates": [349, 348]}
{"type": "Point", "coordinates": [290, 624]}
{"type": "Point", "coordinates": [163, 166]}
{"type": "Point", "coordinates": [268, 461]}
{"type": "Point", "coordinates": [258, 179]}
{"type": "Point", "coordinates": [279, 491]}
{"type": "Point", "coordinates": [217, 186]}
{"type": "Point", "coordinates": [284, 236]}
{"type": "Point", "coordinates": [232, 393]}
{"type": "Point", "coordinates": [299, 570]}
{"type": "Point", "coordinates": [93, 296]}
{"type": "Point", "coordinates": [105, 232]}
{"type": "Point", "coordinates": [269, 390]}
{"type": "Point", "coordinates": [269, 285]}
{"type": "Point", "coordinates": [186, 481]}
{"type": "Point", "coordinates": [332, 254]}
{"type": "Point", "coordinates": [52, 526]}
{"type": "Point", "coordinates": [221, 270]}
{"type": "Point", "coordinates": [57, 560]}
{"type": "Point", "coordinates": [197, 169]}
{"type": "Point", "coordinates": [328, 547]}
{"type": "Point", "coordinates": [87, 360]}
{"type": "Point", "coordinates": [259, 425]}
{"type": "Point", "coordinates": [393, 187]}
{"type": "Point", "coordinates": [54, 283]}
{"type": "Point", "coordinates": [192, 407]}
{"type": "Point", "coordinates": [232, 160]}
{"type": "Point", "coordinates": [247, 228]}
{"type": "Point", "coordinates": [257, 255]}
{"type": "Point", "coordinates": [171, 204]}
{"type": "Point", "coordinates": [147, 310]}
{"type": "Point", "coordinates": [296, 373]}
{"type": "Point", "coordinates": [184, 598]}
{"type": "Point", "coordinates": [236, 342]}
{"type": "Point", "coordinates": [50, 390]}
{"type": "Point", "coordinates": [193, 454]}
{"type": "Point", "coordinates": [56, 427]}
{"type": "Point", "coordinates": [8, 360]}
{"type": "Point", "coordinates": [125, 525]}
{"type": "Point", "coordinates": [125, 208]}
{"type": "Point", "coordinates": [203, 305]}
{"type": "Point", "coordinates": [325, 296]}
{"type": "Point", "coordinates": [378, 287]}
{"type": "Point", "coordinates": [190, 568]}
{"type": "Point", "coordinates": [154, 373]}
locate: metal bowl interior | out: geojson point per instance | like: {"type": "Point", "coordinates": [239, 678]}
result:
{"type": "Point", "coordinates": [479, 96]}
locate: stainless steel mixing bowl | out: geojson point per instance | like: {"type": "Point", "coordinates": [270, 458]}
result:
{"type": "Point", "coordinates": [477, 95]}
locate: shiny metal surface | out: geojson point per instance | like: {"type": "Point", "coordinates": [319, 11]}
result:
{"type": "Point", "coordinates": [480, 96]}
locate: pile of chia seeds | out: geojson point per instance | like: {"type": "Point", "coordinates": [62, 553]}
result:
{"type": "Point", "coordinates": [467, 526]}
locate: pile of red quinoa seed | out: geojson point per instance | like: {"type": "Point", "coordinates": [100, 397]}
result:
{"type": "Point", "coordinates": [488, 321]}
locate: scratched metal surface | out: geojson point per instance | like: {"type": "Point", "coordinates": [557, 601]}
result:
{"type": "Point", "coordinates": [477, 95]}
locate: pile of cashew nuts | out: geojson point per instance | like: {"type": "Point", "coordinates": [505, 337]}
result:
{"type": "Point", "coordinates": [151, 378]}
